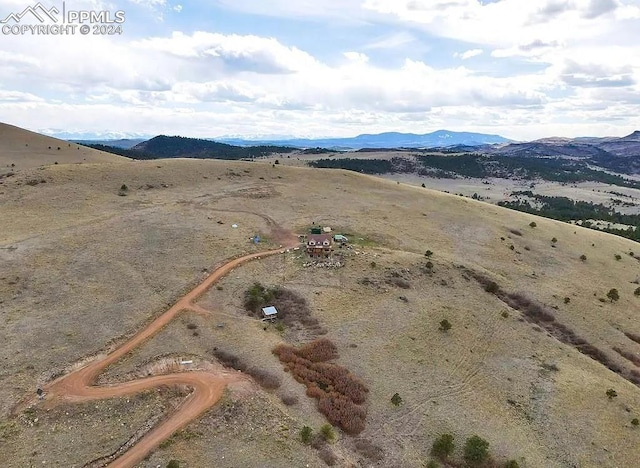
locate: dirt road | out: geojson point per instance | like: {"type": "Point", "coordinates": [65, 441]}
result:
{"type": "Point", "coordinates": [208, 387]}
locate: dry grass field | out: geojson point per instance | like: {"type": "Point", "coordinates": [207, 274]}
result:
{"type": "Point", "coordinates": [82, 268]}
{"type": "Point", "coordinates": [21, 149]}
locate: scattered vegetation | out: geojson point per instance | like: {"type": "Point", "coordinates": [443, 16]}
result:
{"type": "Point", "coordinates": [292, 308]}
{"type": "Point", "coordinates": [396, 399]}
{"type": "Point", "coordinates": [476, 450]}
{"type": "Point", "coordinates": [445, 325]}
{"type": "Point", "coordinates": [306, 434]}
{"type": "Point", "coordinates": [635, 422]}
{"type": "Point", "coordinates": [618, 257]}
{"type": "Point", "coordinates": [567, 300]}
{"type": "Point", "coordinates": [566, 209]}
{"type": "Point", "coordinates": [289, 399]}
{"type": "Point", "coordinates": [613, 295]}
{"type": "Point", "coordinates": [327, 456]}
{"type": "Point", "coordinates": [505, 314]}
{"type": "Point", "coordinates": [328, 433]}
{"type": "Point", "coordinates": [340, 394]}
{"type": "Point", "coordinates": [533, 224]}
{"type": "Point", "coordinates": [636, 292]}
{"type": "Point", "coordinates": [368, 450]}
{"type": "Point", "coordinates": [428, 253]}
{"type": "Point", "coordinates": [611, 393]}
{"type": "Point", "coordinates": [583, 257]}
{"type": "Point", "coordinates": [443, 447]}
{"type": "Point", "coordinates": [173, 464]}
{"type": "Point", "coordinates": [263, 377]}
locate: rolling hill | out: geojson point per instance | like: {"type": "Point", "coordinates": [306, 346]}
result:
{"type": "Point", "coordinates": [22, 149]}
{"type": "Point", "coordinates": [541, 359]}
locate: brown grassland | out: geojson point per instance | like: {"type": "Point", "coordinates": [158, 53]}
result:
{"type": "Point", "coordinates": [82, 268]}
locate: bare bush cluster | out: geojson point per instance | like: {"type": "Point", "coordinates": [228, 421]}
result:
{"type": "Point", "coordinates": [292, 307]}
{"type": "Point", "coordinates": [263, 377]}
{"type": "Point", "coordinates": [541, 315]}
{"type": "Point", "coordinates": [340, 394]}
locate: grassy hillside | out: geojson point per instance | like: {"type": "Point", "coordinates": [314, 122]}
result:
{"type": "Point", "coordinates": [22, 149]}
{"type": "Point", "coordinates": [82, 266]}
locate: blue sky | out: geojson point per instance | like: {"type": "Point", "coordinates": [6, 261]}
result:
{"type": "Point", "coordinates": [319, 68]}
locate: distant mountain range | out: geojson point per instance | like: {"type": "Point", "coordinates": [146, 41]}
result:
{"type": "Point", "coordinates": [440, 138]}
{"type": "Point", "coordinates": [617, 154]}
{"type": "Point", "coordinates": [621, 155]}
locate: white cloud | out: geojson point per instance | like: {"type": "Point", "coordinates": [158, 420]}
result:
{"type": "Point", "coordinates": [357, 57]}
{"type": "Point", "coordinates": [468, 54]}
{"type": "Point", "coordinates": [585, 69]}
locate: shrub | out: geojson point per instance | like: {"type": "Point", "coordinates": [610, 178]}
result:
{"type": "Point", "coordinates": [583, 258]}
{"type": "Point", "coordinates": [373, 264]}
{"type": "Point", "coordinates": [505, 314]}
{"type": "Point", "coordinates": [327, 456]}
{"type": "Point", "coordinates": [533, 224]}
{"type": "Point", "coordinates": [428, 253]}
{"type": "Point", "coordinates": [511, 464]}
{"type": "Point", "coordinates": [443, 446]}
{"type": "Point", "coordinates": [328, 433]}
{"type": "Point", "coordinates": [492, 287]}
{"type": "Point", "coordinates": [635, 422]}
{"type": "Point", "coordinates": [631, 254]}
{"type": "Point", "coordinates": [613, 295]}
{"type": "Point", "coordinates": [264, 378]}
{"type": "Point", "coordinates": [476, 450]}
{"type": "Point", "coordinates": [277, 162]}
{"type": "Point", "coordinates": [618, 257]}
{"type": "Point", "coordinates": [306, 433]}
{"type": "Point", "coordinates": [368, 450]}
{"type": "Point", "coordinates": [124, 188]}
{"type": "Point", "coordinates": [516, 232]}
{"type": "Point", "coordinates": [445, 325]}
{"type": "Point", "coordinates": [611, 393]}
{"type": "Point", "coordinates": [396, 399]}
{"type": "Point", "coordinates": [432, 464]}
{"type": "Point", "coordinates": [636, 292]}
{"type": "Point", "coordinates": [424, 186]}
{"type": "Point", "coordinates": [229, 360]}
{"type": "Point", "coordinates": [554, 240]}
{"type": "Point", "coordinates": [192, 326]}
{"type": "Point", "coordinates": [173, 464]}
{"type": "Point", "coordinates": [339, 393]}
{"type": "Point", "coordinates": [289, 400]}
{"type": "Point", "coordinates": [567, 300]}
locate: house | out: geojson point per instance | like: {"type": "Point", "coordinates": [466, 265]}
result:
{"type": "Point", "coordinates": [269, 313]}
{"type": "Point", "coordinates": [319, 245]}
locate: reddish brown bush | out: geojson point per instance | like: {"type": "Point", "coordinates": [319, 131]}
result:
{"type": "Point", "coordinates": [339, 393]}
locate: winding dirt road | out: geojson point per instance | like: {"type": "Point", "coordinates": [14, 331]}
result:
{"type": "Point", "coordinates": [208, 387]}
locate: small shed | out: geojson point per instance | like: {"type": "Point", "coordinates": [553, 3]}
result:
{"type": "Point", "coordinates": [269, 313]}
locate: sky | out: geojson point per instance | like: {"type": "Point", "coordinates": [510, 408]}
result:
{"type": "Point", "coordinates": [327, 68]}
